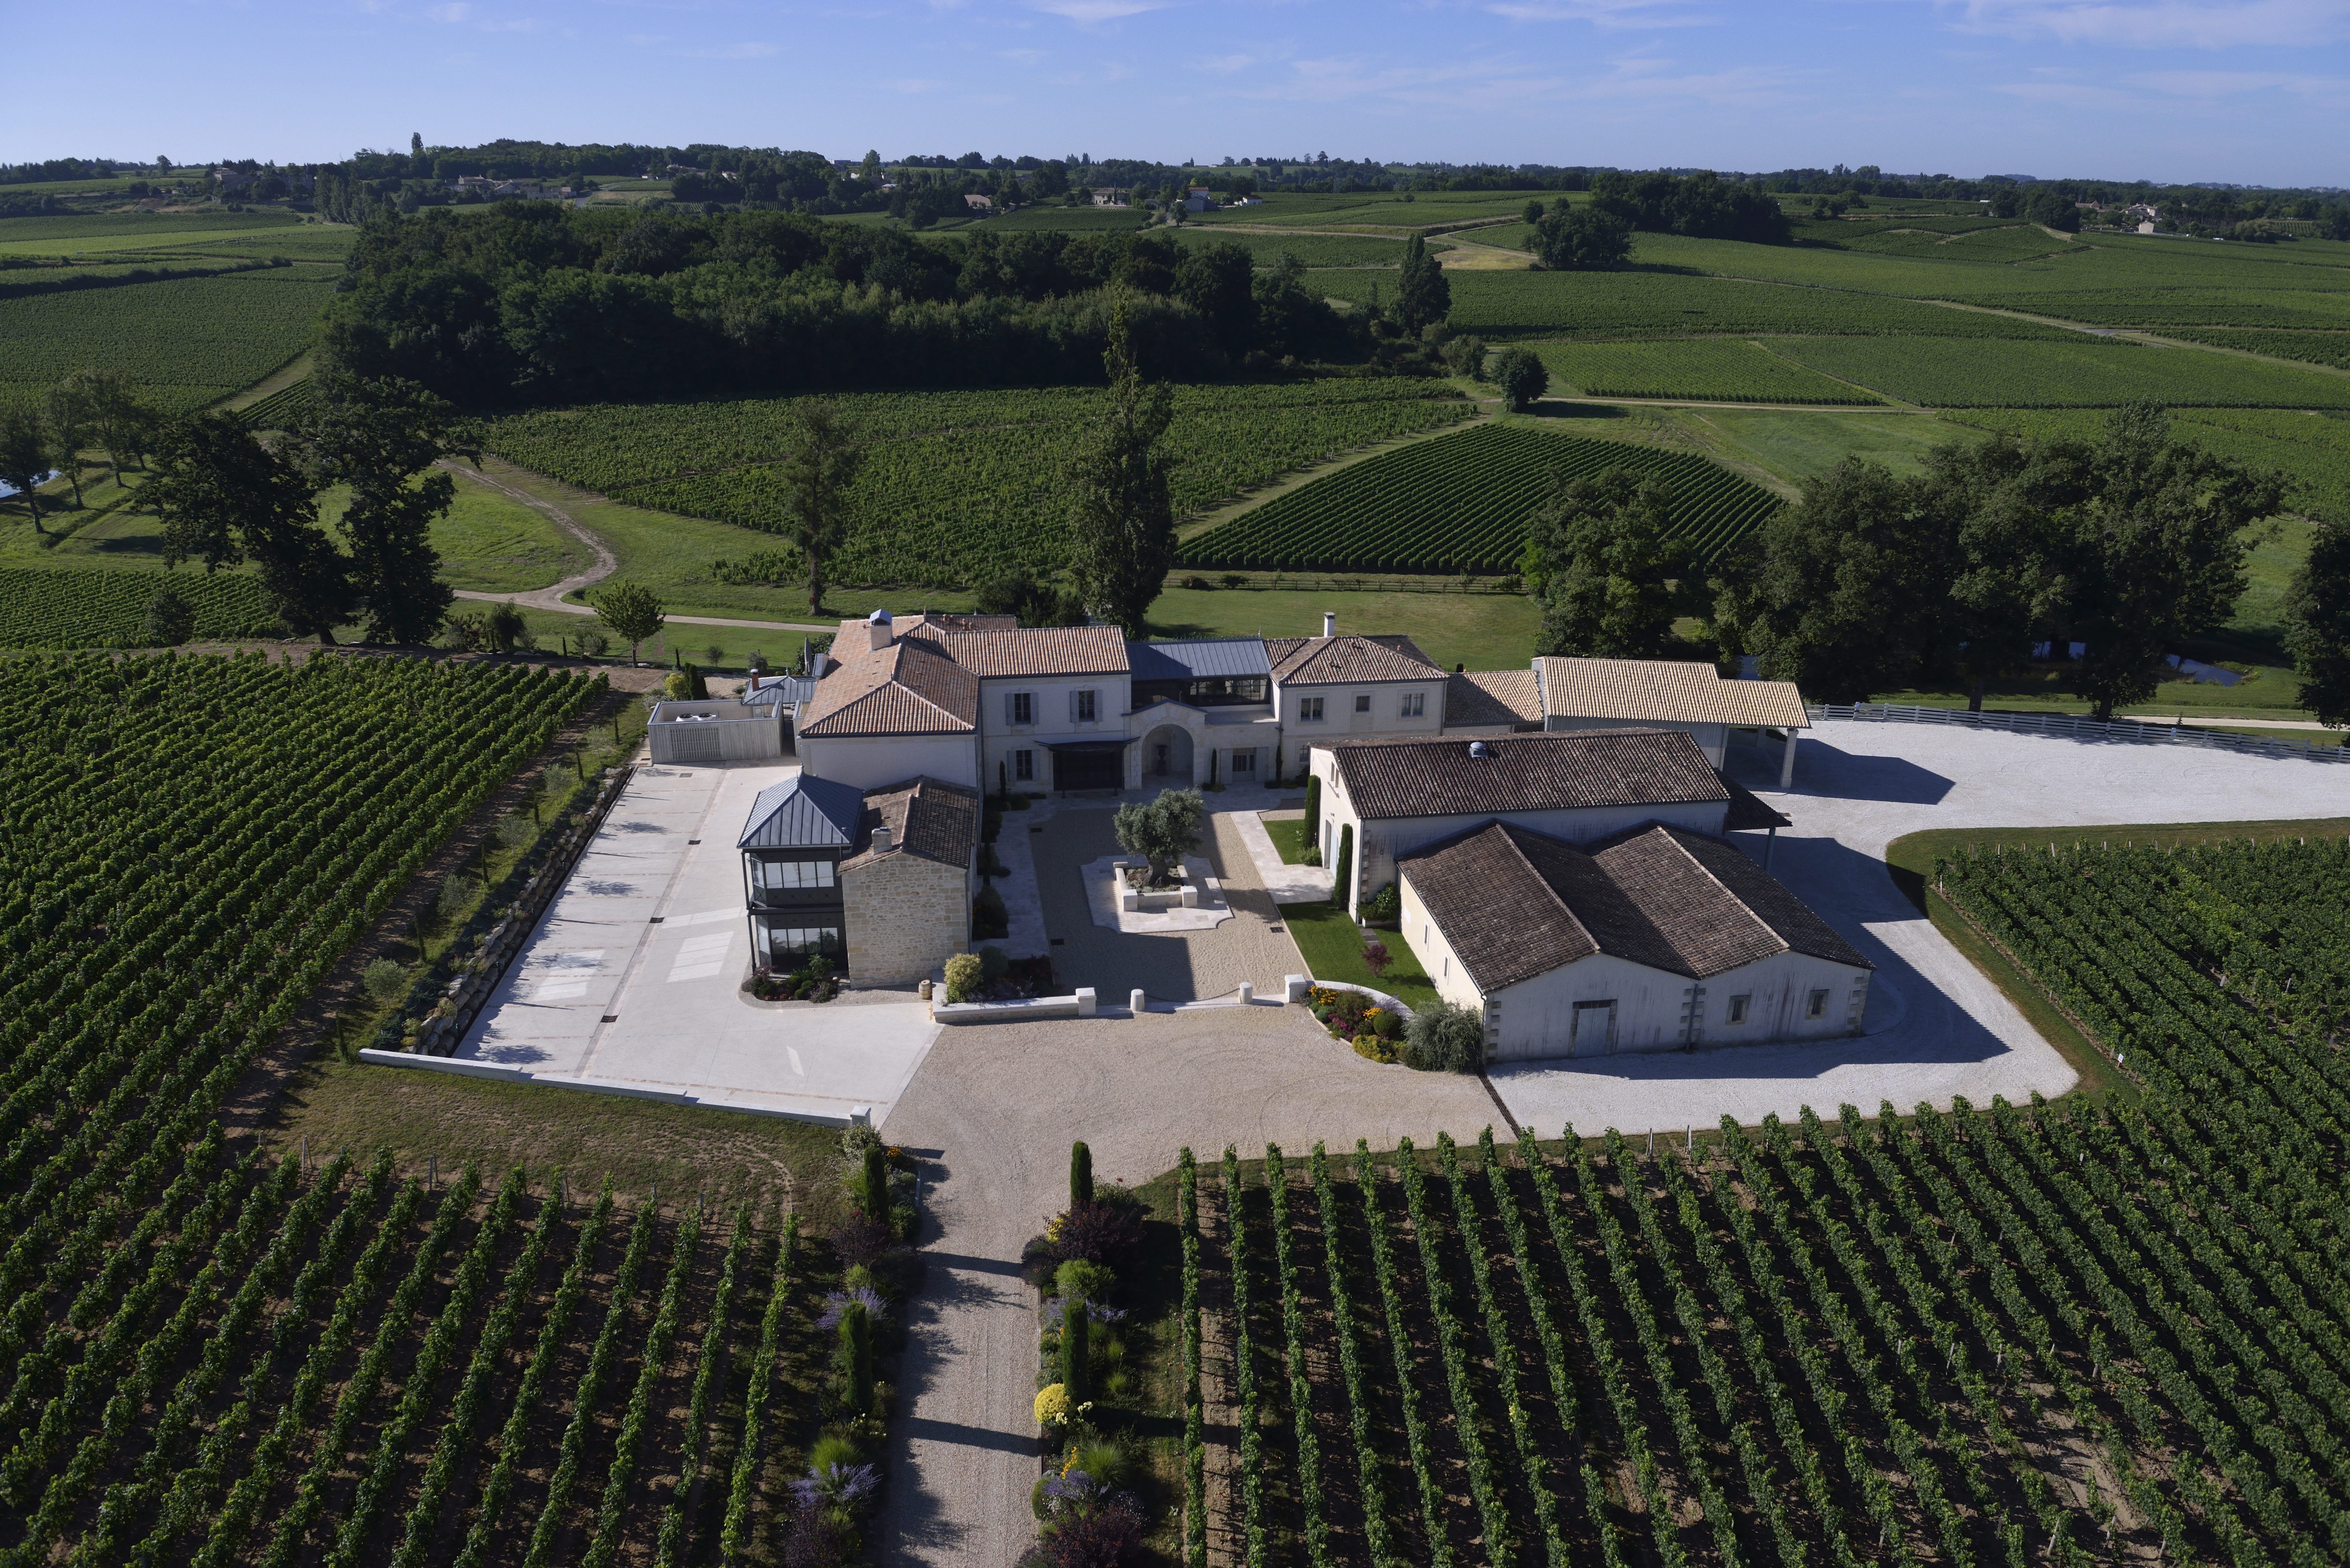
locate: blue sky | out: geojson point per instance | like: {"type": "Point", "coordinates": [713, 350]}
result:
{"type": "Point", "coordinates": [2257, 92]}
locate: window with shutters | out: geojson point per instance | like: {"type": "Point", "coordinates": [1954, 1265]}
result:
{"type": "Point", "coordinates": [1023, 766]}
{"type": "Point", "coordinates": [1244, 761]}
{"type": "Point", "coordinates": [1081, 707]}
{"type": "Point", "coordinates": [1021, 708]}
{"type": "Point", "coordinates": [1415, 704]}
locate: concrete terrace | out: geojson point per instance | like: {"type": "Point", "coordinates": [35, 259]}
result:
{"type": "Point", "coordinates": [633, 981]}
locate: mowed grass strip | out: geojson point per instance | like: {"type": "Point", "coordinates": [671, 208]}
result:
{"type": "Point", "coordinates": [1717, 369]}
{"type": "Point", "coordinates": [1459, 503]}
{"type": "Point", "coordinates": [2082, 374]}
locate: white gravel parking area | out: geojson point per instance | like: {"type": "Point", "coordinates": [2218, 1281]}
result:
{"type": "Point", "coordinates": [1936, 1028]}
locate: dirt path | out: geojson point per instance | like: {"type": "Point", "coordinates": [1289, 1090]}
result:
{"type": "Point", "coordinates": [606, 563]}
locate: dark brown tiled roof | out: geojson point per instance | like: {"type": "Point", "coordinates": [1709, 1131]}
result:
{"type": "Point", "coordinates": [906, 689]}
{"type": "Point", "coordinates": [1747, 810]}
{"type": "Point", "coordinates": [1033, 650]}
{"type": "Point", "coordinates": [930, 820]}
{"type": "Point", "coordinates": [1348, 660]}
{"type": "Point", "coordinates": [1580, 768]}
{"type": "Point", "coordinates": [1513, 903]}
{"type": "Point", "coordinates": [1492, 696]}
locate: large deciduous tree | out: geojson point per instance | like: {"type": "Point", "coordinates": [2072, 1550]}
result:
{"type": "Point", "coordinates": [816, 471]}
{"type": "Point", "coordinates": [225, 499]}
{"type": "Point", "coordinates": [377, 437]}
{"type": "Point", "coordinates": [1601, 557]}
{"type": "Point", "coordinates": [1581, 239]}
{"type": "Point", "coordinates": [1122, 521]}
{"type": "Point", "coordinates": [2317, 626]}
{"type": "Point", "coordinates": [24, 455]}
{"type": "Point", "coordinates": [631, 612]}
{"type": "Point", "coordinates": [1846, 592]}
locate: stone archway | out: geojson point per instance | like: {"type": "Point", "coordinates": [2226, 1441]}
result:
{"type": "Point", "coordinates": [1167, 758]}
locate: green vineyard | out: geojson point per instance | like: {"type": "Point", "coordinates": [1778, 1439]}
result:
{"type": "Point", "coordinates": [2081, 374]}
{"type": "Point", "coordinates": [2062, 1333]}
{"type": "Point", "coordinates": [955, 484]}
{"type": "Point", "coordinates": [1713, 369]}
{"type": "Point", "coordinates": [81, 609]}
{"type": "Point", "coordinates": [281, 409]}
{"type": "Point", "coordinates": [189, 342]}
{"type": "Point", "coordinates": [1459, 503]}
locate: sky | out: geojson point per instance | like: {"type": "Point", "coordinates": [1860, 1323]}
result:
{"type": "Point", "coordinates": [2255, 92]}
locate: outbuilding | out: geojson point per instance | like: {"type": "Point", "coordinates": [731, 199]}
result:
{"type": "Point", "coordinates": [1657, 937]}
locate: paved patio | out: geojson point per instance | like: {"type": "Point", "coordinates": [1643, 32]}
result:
{"type": "Point", "coordinates": [633, 978]}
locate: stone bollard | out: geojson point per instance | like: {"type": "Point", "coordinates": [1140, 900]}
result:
{"type": "Point", "coordinates": [1191, 895]}
{"type": "Point", "coordinates": [1248, 992]}
{"type": "Point", "coordinates": [1296, 985]}
{"type": "Point", "coordinates": [1135, 1001]}
{"type": "Point", "coordinates": [1085, 1001]}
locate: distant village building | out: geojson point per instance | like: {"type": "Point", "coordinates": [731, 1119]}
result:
{"type": "Point", "coordinates": [979, 204]}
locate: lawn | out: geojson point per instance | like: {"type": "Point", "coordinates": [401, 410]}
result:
{"type": "Point", "coordinates": [491, 542]}
{"type": "Point", "coordinates": [1333, 948]}
{"type": "Point", "coordinates": [1289, 838]}
{"type": "Point", "coordinates": [2086, 373]}
{"type": "Point", "coordinates": [1796, 446]}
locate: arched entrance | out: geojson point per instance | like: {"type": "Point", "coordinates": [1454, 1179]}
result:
{"type": "Point", "coordinates": [1167, 758]}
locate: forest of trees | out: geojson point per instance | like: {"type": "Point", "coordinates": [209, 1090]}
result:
{"type": "Point", "coordinates": [531, 301]}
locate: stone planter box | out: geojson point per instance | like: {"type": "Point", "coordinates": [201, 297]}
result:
{"type": "Point", "coordinates": [1080, 1005]}
{"type": "Point", "coordinates": [1138, 900]}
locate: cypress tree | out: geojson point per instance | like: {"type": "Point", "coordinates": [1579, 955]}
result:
{"type": "Point", "coordinates": [854, 1359]}
{"type": "Point", "coordinates": [1342, 876]}
{"type": "Point", "coordinates": [1075, 1331]}
{"type": "Point", "coordinates": [873, 1192]}
{"type": "Point", "coordinates": [1081, 1175]}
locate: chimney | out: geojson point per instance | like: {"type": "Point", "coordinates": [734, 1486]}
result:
{"type": "Point", "coordinates": [885, 839]}
{"type": "Point", "coordinates": [878, 627]}
{"type": "Point", "coordinates": [1329, 623]}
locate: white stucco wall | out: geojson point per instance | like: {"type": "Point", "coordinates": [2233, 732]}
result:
{"type": "Point", "coordinates": [870, 762]}
{"type": "Point", "coordinates": [1340, 720]}
{"type": "Point", "coordinates": [999, 737]}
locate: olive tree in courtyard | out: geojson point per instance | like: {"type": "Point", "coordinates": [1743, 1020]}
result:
{"type": "Point", "coordinates": [1162, 831]}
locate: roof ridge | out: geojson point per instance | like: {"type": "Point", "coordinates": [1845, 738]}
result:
{"type": "Point", "coordinates": [1673, 836]}
{"type": "Point", "coordinates": [1510, 831]}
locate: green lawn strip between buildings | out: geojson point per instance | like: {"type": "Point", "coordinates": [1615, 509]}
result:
{"type": "Point", "coordinates": [1333, 948]}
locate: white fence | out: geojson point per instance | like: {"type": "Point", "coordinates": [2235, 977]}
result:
{"type": "Point", "coordinates": [2126, 730]}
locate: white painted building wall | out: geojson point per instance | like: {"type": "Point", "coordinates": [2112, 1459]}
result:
{"type": "Point", "coordinates": [1340, 721]}
{"type": "Point", "coordinates": [870, 762]}
{"type": "Point", "coordinates": [1052, 718]}
{"type": "Point", "coordinates": [1536, 1020]}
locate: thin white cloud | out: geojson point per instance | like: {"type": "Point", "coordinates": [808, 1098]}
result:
{"type": "Point", "coordinates": [2158, 24]}
{"type": "Point", "coordinates": [1602, 13]}
{"type": "Point", "coordinates": [449, 13]}
{"type": "Point", "coordinates": [2228, 84]}
{"type": "Point", "coordinates": [1091, 13]}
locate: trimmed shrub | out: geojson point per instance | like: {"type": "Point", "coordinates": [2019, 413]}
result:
{"type": "Point", "coordinates": [964, 976]}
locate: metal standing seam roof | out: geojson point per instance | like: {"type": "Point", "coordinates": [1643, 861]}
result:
{"type": "Point", "coordinates": [1348, 660]}
{"type": "Point", "coordinates": [1513, 904]}
{"type": "Point", "coordinates": [1661, 690]}
{"type": "Point", "coordinates": [1198, 658]}
{"type": "Point", "coordinates": [802, 813]}
{"type": "Point", "coordinates": [1573, 769]}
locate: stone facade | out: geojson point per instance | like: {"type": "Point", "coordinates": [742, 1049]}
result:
{"type": "Point", "coordinates": [906, 917]}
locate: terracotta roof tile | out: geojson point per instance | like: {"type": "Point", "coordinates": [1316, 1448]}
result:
{"type": "Point", "coordinates": [1513, 903]}
{"type": "Point", "coordinates": [1348, 660]}
{"type": "Point", "coordinates": [1492, 696]}
{"type": "Point", "coordinates": [905, 689]}
{"type": "Point", "coordinates": [929, 820]}
{"type": "Point", "coordinates": [1661, 690]}
{"type": "Point", "coordinates": [1525, 773]}
{"type": "Point", "coordinates": [1033, 650]}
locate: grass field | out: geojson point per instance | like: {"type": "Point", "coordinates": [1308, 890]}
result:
{"type": "Point", "coordinates": [1714, 369]}
{"type": "Point", "coordinates": [64, 234]}
{"type": "Point", "coordinates": [1796, 446]}
{"type": "Point", "coordinates": [1367, 209]}
{"type": "Point", "coordinates": [1313, 250]}
{"type": "Point", "coordinates": [2079, 374]}
{"type": "Point", "coordinates": [1332, 945]}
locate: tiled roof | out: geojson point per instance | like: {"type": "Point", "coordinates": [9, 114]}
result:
{"type": "Point", "coordinates": [802, 813]}
{"type": "Point", "coordinates": [1747, 810]}
{"type": "Point", "coordinates": [1660, 691]}
{"type": "Point", "coordinates": [1492, 696]}
{"type": "Point", "coordinates": [1033, 651]}
{"type": "Point", "coordinates": [1580, 768]}
{"type": "Point", "coordinates": [947, 620]}
{"type": "Point", "coordinates": [1348, 660]}
{"type": "Point", "coordinates": [1513, 904]}
{"type": "Point", "coordinates": [906, 689]}
{"type": "Point", "coordinates": [929, 820]}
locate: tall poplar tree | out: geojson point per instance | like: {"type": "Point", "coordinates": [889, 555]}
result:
{"type": "Point", "coordinates": [1122, 522]}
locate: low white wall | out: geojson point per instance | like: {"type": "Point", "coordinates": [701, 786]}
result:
{"type": "Point", "coordinates": [871, 761]}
